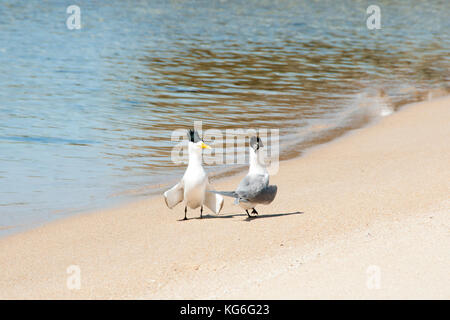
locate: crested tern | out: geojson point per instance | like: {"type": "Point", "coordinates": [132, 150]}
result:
{"type": "Point", "coordinates": [254, 189]}
{"type": "Point", "coordinates": [194, 184]}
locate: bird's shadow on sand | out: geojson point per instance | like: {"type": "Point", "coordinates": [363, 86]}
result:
{"type": "Point", "coordinates": [247, 218]}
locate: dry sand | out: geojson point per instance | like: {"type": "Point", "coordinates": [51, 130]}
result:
{"type": "Point", "coordinates": [366, 216]}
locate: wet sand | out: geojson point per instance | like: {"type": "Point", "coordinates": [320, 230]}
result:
{"type": "Point", "coordinates": [369, 208]}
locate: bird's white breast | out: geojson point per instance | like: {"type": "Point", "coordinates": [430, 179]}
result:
{"type": "Point", "coordinates": [247, 205]}
{"type": "Point", "coordinates": [195, 180]}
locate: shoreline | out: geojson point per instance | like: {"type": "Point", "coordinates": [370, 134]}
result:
{"type": "Point", "coordinates": [352, 120]}
{"type": "Point", "coordinates": [384, 173]}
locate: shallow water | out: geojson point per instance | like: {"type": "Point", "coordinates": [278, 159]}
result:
{"type": "Point", "coordinates": [87, 115]}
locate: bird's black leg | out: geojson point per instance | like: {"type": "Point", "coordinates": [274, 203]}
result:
{"type": "Point", "coordinates": [201, 212]}
{"type": "Point", "coordinates": [248, 213]}
{"type": "Point", "coordinates": [254, 211]}
{"type": "Point", "coordinates": [185, 212]}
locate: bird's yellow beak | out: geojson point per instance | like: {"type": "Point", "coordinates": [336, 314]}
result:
{"type": "Point", "coordinates": [205, 146]}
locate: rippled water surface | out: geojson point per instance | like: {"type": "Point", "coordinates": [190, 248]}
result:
{"type": "Point", "coordinates": [86, 115]}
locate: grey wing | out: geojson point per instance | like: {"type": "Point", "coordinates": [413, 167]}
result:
{"type": "Point", "coordinates": [266, 195]}
{"type": "Point", "coordinates": [252, 185]}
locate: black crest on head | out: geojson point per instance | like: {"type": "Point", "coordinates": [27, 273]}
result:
{"type": "Point", "coordinates": [256, 143]}
{"type": "Point", "coordinates": [193, 136]}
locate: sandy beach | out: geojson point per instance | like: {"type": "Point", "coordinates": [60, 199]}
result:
{"type": "Point", "coordinates": [365, 216]}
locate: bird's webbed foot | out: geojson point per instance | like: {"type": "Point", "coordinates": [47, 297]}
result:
{"type": "Point", "coordinates": [253, 212]}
